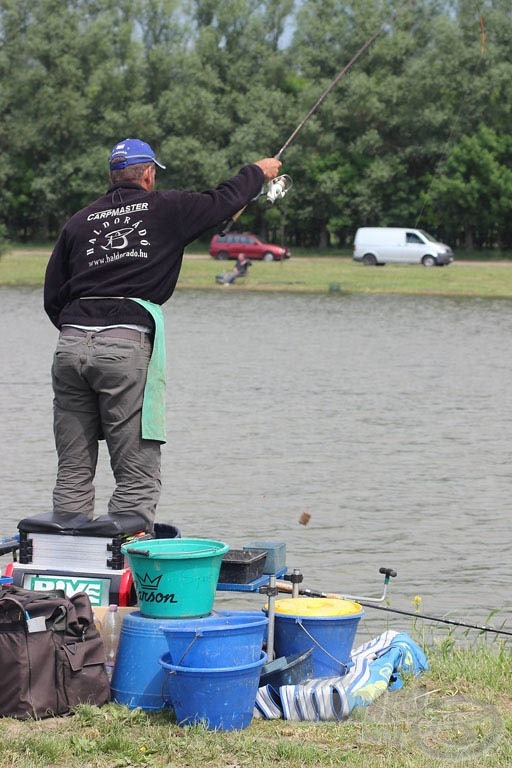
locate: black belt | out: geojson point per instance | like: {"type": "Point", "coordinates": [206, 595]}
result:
{"type": "Point", "coordinates": [113, 333]}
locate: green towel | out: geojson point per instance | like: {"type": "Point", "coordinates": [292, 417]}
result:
{"type": "Point", "coordinates": [153, 404]}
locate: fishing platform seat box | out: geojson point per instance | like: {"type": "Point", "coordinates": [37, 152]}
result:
{"type": "Point", "coordinates": [53, 557]}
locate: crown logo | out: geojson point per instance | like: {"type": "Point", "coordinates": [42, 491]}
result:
{"type": "Point", "coordinates": [146, 582]}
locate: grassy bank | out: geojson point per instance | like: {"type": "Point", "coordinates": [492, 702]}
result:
{"type": "Point", "coordinates": [460, 712]}
{"type": "Point", "coordinates": [307, 274]}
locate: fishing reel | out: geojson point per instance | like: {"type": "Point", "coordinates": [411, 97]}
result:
{"type": "Point", "coordinates": [278, 187]}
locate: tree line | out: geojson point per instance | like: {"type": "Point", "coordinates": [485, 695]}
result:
{"type": "Point", "coordinates": [416, 134]}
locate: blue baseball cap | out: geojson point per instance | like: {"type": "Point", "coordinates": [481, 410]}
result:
{"type": "Point", "coordinates": [131, 152]}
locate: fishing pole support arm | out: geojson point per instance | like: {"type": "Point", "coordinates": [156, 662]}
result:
{"type": "Point", "coordinates": [270, 589]}
{"type": "Point", "coordinates": [388, 573]}
{"type": "Point", "coordinates": [296, 578]}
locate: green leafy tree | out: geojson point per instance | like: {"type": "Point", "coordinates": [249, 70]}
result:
{"type": "Point", "coordinates": [416, 133]}
{"type": "Point", "coordinates": [71, 81]}
{"type": "Point", "coordinates": [476, 189]}
{"type": "Point", "coordinates": [230, 84]}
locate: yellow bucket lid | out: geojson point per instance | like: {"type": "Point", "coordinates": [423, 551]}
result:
{"type": "Point", "coordinates": [316, 606]}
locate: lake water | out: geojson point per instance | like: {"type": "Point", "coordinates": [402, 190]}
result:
{"type": "Point", "coordinates": [387, 419]}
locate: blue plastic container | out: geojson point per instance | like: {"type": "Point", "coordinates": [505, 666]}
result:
{"type": "Point", "coordinates": [327, 626]}
{"type": "Point", "coordinates": [250, 615]}
{"type": "Point", "coordinates": [220, 699]}
{"type": "Point", "coordinates": [290, 670]}
{"type": "Point", "coordinates": [138, 679]}
{"type": "Point", "coordinates": [220, 640]}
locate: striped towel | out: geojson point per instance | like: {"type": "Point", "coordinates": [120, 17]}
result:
{"type": "Point", "coordinates": [376, 668]}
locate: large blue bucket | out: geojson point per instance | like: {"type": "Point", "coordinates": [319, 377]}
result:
{"type": "Point", "coordinates": [138, 679]}
{"type": "Point", "coordinates": [220, 699]}
{"type": "Point", "coordinates": [327, 626]}
{"type": "Point", "coordinates": [220, 640]}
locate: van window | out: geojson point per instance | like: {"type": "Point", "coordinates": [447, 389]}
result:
{"type": "Point", "coordinates": [428, 237]}
{"type": "Point", "coordinates": [412, 237]}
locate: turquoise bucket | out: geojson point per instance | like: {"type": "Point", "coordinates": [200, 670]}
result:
{"type": "Point", "coordinates": [138, 679]}
{"type": "Point", "coordinates": [222, 699]}
{"type": "Point", "coordinates": [175, 578]}
{"type": "Point", "coordinates": [219, 640]}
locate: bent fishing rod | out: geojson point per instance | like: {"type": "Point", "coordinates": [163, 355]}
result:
{"type": "Point", "coordinates": [280, 185]}
{"type": "Point", "coordinates": [284, 586]}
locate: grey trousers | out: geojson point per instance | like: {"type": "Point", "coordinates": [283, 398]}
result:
{"type": "Point", "coordinates": [98, 386]}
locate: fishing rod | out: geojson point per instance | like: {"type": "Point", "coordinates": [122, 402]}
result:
{"type": "Point", "coordinates": [281, 184]}
{"type": "Point", "coordinates": [438, 619]}
{"type": "Point", "coordinates": [284, 586]}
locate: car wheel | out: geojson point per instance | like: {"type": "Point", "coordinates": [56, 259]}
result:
{"type": "Point", "coordinates": [369, 260]}
{"type": "Point", "coordinates": [222, 256]}
{"type": "Point", "coordinates": [428, 261]}
{"type": "Point", "coordinates": [267, 256]}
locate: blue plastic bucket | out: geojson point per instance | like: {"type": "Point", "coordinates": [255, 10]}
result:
{"type": "Point", "coordinates": [221, 640]}
{"type": "Point", "coordinates": [249, 615]}
{"type": "Point", "coordinates": [288, 670]}
{"type": "Point", "coordinates": [328, 626]}
{"type": "Point", "coordinates": [222, 699]}
{"type": "Point", "coordinates": [138, 679]}
{"type": "Point", "coordinates": [175, 578]}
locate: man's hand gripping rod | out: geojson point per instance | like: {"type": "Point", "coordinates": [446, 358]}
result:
{"type": "Point", "coordinates": [282, 183]}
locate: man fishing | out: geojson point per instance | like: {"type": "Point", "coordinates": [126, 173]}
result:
{"type": "Point", "coordinates": [114, 264]}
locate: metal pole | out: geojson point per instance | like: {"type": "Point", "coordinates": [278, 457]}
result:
{"type": "Point", "coordinates": [271, 616]}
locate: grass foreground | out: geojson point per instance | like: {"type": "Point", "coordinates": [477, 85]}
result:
{"type": "Point", "coordinates": [460, 712]}
{"type": "Point", "coordinates": [306, 274]}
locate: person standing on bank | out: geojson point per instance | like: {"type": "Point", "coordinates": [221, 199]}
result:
{"type": "Point", "coordinates": [114, 264]}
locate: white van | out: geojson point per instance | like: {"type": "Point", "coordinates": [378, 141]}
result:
{"type": "Point", "coordinates": [399, 245]}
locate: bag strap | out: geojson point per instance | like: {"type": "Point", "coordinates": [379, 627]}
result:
{"type": "Point", "coordinates": [57, 614]}
{"type": "Point", "coordinates": [20, 606]}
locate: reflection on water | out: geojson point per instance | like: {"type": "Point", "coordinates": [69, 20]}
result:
{"type": "Point", "coordinates": [388, 419]}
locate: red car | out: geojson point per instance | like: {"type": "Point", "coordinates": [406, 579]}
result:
{"type": "Point", "coordinates": [229, 246]}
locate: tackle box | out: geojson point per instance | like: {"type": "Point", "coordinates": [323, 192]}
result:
{"type": "Point", "coordinates": [241, 566]}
